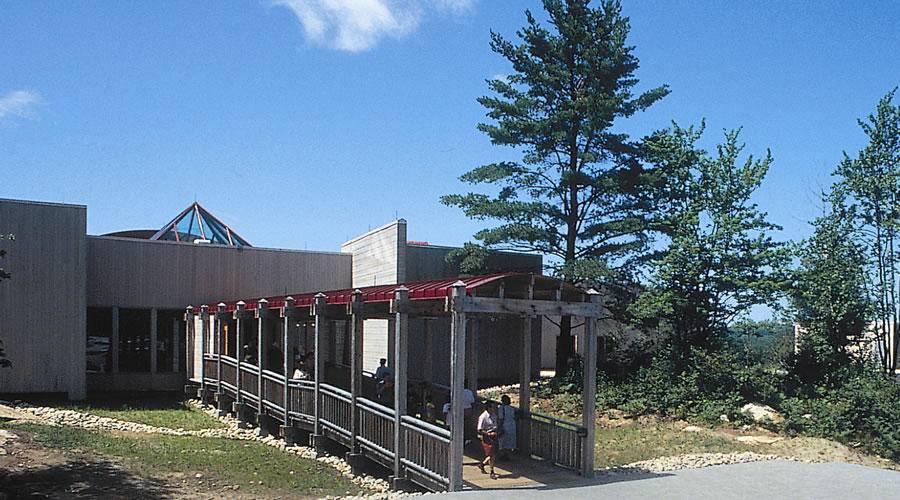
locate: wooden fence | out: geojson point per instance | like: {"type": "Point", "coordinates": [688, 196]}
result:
{"type": "Point", "coordinates": [425, 450]}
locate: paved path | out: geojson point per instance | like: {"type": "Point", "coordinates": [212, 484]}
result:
{"type": "Point", "coordinates": [766, 480]}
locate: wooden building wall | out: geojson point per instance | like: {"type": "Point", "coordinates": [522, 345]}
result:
{"type": "Point", "coordinates": [428, 262]}
{"type": "Point", "coordinates": [42, 308]}
{"type": "Point", "coordinates": [170, 275]}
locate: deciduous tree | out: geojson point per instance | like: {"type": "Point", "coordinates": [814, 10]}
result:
{"type": "Point", "coordinates": [721, 259]}
{"type": "Point", "coordinates": [870, 188]}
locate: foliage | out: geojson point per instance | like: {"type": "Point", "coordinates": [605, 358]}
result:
{"type": "Point", "coordinates": [769, 343]}
{"type": "Point", "coordinates": [868, 190]}
{"type": "Point", "coordinates": [721, 260]}
{"type": "Point", "coordinates": [864, 408]}
{"type": "Point", "coordinates": [578, 194]}
{"type": "Point", "coordinates": [705, 387]}
{"type": "Point", "coordinates": [830, 299]}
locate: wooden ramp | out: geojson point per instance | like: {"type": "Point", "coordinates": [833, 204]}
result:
{"type": "Point", "coordinates": [516, 472]}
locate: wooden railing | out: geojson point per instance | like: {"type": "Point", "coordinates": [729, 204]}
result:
{"type": "Point", "coordinates": [303, 399]}
{"type": "Point", "coordinates": [273, 392]}
{"type": "Point", "coordinates": [249, 382]}
{"type": "Point", "coordinates": [557, 441]}
{"type": "Point", "coordinates": [229, 373]}
{"type": "Point", "coordinates": [335, 409]}
{"type": "Point", "coordinates": [425, 450]}
{"type": "Point", "coordinates": [376, 428]}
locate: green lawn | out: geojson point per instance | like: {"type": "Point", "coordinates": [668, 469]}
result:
{"type": "Point", "coordinates": [159, 410]}
{"type": "Point", "coordinates": [220, 462]}
{"type": "Point", "coordinates": [637, 442]}
{"type": "Point", "coordinates": [176, 415]}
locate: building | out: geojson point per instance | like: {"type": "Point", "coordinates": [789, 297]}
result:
{"type": "Point", "coordinates": [87, 313]}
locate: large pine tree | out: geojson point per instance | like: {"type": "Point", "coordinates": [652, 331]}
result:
{"type": "Point", "coordinates": [577, 194]}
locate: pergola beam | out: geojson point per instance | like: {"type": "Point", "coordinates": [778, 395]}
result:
{"type": "Point", "coordinates": [492, 305]}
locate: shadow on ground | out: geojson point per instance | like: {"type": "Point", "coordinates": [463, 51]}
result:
{"type": "Point", "coordinates": [79, 478]}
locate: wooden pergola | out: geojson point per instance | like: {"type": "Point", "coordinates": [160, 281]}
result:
{"type": "Point", "coordinates": [414, 449]}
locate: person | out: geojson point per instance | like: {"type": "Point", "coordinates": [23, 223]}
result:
{"type": "Point", "coordinates": [506, 420]}
{"type": "Point", "coordinates": [382, 370]}
{"type": "Point", "coordinates": [383, 386]}
{"type": "Point", "coordinates": [468, 421]}
{"type": "Point", "coordinates": [447, 415]}
{"type": "Point", "coordinates": [487, 432]}
{"type": "Point", "coordinates": [430, 416]}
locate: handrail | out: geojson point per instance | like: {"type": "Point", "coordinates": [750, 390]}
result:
{"type": "Point", "coordinates": [374, 407]}
{"type": "Point", "coordinates": [273, 376]}
{"type": "Point", "coordinates": [425, 472]}
{"type": "Point", "coordinates": [228, 360]}
{"type": "Point", "coordinates": [556, 421]}
{"type": "Point", "coordinates": [380, 449]}
{"type": "Point", "coordinates": [296, 382]}
{"type": "Point", "coordinates": [335, 391]}
{"type": "Point", "coordinates": [431, 429]}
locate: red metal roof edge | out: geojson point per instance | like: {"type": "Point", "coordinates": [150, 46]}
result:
{"type": "Point", "coordinates": [418, 290]}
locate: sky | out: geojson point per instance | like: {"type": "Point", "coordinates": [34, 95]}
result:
{"type": "Point", "coordinates": [304, 123]}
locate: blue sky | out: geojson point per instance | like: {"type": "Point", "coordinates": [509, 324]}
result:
{"type": "Point", "coordinates": [304, 123]}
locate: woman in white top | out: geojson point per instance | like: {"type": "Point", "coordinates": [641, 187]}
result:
{"type": "Point", "coordinates": [506, 417]}
{"type": "Point", "coordinates": [487, 432]}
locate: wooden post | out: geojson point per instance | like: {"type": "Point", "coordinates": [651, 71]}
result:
{"type": "Point", "coordinates": [429, 351]}
{"type": "Point", "coordinates": [457, 380]}
{"type": "Point", "coordinates": [319, 369]}
{"type": "Point", "coordinates": [204, 344]}
{"type": "Point", "coordinates": [239, 335]}
{"type": "Point", "coordinates": [188, 335]}
{"type": "Point", "coordinates": [220, 349]}
{"type": "Point", "coordinates": [590, 388]}
{"type": "Point", "coordinates": [331, 336]}
{"type": "Point", "coordinates": [401, 368]}
{"type": "Point", "coordinates": [356, 360]}
{"type": "Point", "coordinates": [288, 366]}
{"type": "Point", "coordinates": [261, 356]}
{"type": "Point", "coordinates": [176, 339]}
{"type": "Point", "coordinates": [391, 354]}
{"type": "Point", "coordinates": [154, 334]}
{"type": "Point", "coordinates": [524, 425]}
{"type": "Point", "coordinates": [114, 341]}
{"type": "Point", "coordinates": [472, 356]}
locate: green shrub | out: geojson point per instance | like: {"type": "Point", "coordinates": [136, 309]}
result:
{"type": "Point", "coordinates": [865, 409]}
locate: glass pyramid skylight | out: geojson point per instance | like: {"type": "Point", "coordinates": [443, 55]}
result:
{"type": "Point", "coordinates": [196, 225]}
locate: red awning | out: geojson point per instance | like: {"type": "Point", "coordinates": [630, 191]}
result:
{"type": "Point", "coordinates": [515, 285]}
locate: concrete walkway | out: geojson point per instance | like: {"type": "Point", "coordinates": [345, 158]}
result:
{"type": "Point", "coordinates": [765, 480]}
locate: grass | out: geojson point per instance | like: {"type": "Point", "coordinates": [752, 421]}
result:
{"type": "Point", "coordinates": [156, 409]}
{"type": "Point", "coordinates": [181, 416]}
{"type": "Point", "coordinates": [221, 462]}
{"type": "Point", "coordinates": [637, 442]}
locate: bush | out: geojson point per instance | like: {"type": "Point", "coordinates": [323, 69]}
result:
{"type": "Point", "coordinates": [865, 409]}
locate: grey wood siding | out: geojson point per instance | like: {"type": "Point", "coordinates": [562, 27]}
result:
{"type": "Point", "coordinates": [379, 256]}
{"type": "Point", "coordinates": [42, 308]}
{"type": "Point", "coordinates": [170, 275]}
